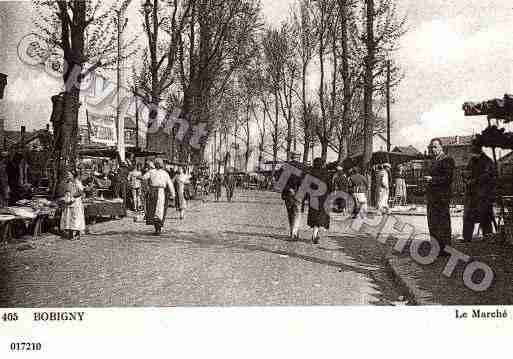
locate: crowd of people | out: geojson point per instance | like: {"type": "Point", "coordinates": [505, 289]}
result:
{"type": "Point", "coordinates": [479, 199]}
{"type": "Point", "coordinates": [148, 188]}
{"type": "Point", "coordinates": [352, 182]}
{"type": "Point", "coordinates": [151, 187]}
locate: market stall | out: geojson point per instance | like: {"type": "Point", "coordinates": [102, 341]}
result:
{"type": "Point", "coordinates": [494, 137]}
{"type": "Point", "coordinates": [27, 217]}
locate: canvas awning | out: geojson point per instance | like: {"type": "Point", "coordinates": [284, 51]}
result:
{"type": "Point", "coordinates": [498, 108]}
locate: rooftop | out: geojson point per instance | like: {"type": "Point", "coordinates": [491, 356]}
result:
{"type": "Point", "coordinates": [456, 140]}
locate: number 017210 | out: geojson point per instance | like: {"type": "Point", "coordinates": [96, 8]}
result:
{"type": "Point", "coordinates": [22, 347]}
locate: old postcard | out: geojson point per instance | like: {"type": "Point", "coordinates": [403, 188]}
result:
{"type": "Point", "coordinates": [312, 169]}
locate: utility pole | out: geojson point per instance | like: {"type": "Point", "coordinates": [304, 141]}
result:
{"type": "Point", "coordinates": [120, 121]}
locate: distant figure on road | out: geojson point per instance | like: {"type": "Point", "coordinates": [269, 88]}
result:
{"type": "Point", "coordinates": [179, 180]}
{"type": "Point", "coordinates": [229, 183]}
{"type": "Point", "coordinates": [157, 198]}
{"type": "Point", "coordinates": [382, 189]}
{"type": "Point", "coordinates": [317, 216]}
{"type": "Point", "coordinates": [480, 193]}
{"type": "Point", "coordinates": [340, 183]}
{"type": "Point", "coordinates": [400, 185]}
{"type": "Point", "coordinates": [218, 185]}
{"type": "Point", "coordinates": [438, 195]}
{"type": "Point", "coordinates": [134, 178]}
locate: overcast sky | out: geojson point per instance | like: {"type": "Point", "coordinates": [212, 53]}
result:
{"type": "Point", "coordinates": [455, 51]}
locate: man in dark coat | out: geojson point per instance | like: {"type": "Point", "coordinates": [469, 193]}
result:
{"type": "Point", "coordinates": [438, 195]}
{"type": "Point", "coordinates": [480, 193]}
{"type": "Point", "coordinates": [123, 172]}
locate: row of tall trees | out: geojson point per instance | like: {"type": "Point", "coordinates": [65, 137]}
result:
{"type": "Point", "coordinates": [194, 49]}
{"type": "Point", "coordinates": [319, 78]}
{"type": "Point", "coordinates": [325, 71]}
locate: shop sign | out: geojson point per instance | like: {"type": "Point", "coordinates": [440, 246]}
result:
{"type": "Point", "coordinates": [102, 130]}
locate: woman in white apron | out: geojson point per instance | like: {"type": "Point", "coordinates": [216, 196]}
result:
{"type": "Point", "coordinates": [72, 217]}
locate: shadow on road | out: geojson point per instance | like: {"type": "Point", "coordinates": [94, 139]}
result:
{"type": "Point", "coordinates": [367, 261]}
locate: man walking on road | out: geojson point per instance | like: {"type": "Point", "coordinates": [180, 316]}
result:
{"type": "Point", "coordinates": [157, 198]}
{"type": "Point", "coordinates": [479, 194]}
{"type": "Point", "coordinates": [438, 195]}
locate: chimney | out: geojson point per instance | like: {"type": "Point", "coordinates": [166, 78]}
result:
{"type": "Point", "coordinates": [22, 133]}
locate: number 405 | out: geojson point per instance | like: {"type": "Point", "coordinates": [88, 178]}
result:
{"type": "Point", "coordinates": [10, 317]}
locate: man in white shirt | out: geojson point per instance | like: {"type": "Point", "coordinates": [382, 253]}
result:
{"type": "Point", "coordinates": [157, 200]}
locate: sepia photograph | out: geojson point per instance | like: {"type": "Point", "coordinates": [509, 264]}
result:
{"type": "Point", "coordinates": [255, 153]}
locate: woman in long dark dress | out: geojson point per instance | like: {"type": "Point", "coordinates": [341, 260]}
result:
{"type": "Point", "coordinates": [318, 217]}
{"type": "Point", "coordinates": [292, 204]}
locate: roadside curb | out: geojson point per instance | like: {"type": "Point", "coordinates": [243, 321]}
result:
{"type": "Point", "coordinates": [402, 270]}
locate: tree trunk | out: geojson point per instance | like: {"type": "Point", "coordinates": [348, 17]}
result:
{"type": "Point", "coordinates": [342, 153]}
{"type": "Point", "coordinates": [275, 135]}
{"type": "Point", "coordinates": [342, 149]}
{"type": "Point", "coordinates": [368, 87]}
{"type": "Point", "coordinates": [306, 150]}
{"type": "Point", "coordinates": [322, 136]}
{"type": "Point", "coordinates": [306, 121]}
{"type": "Point", "coordinates": [324, 151]}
